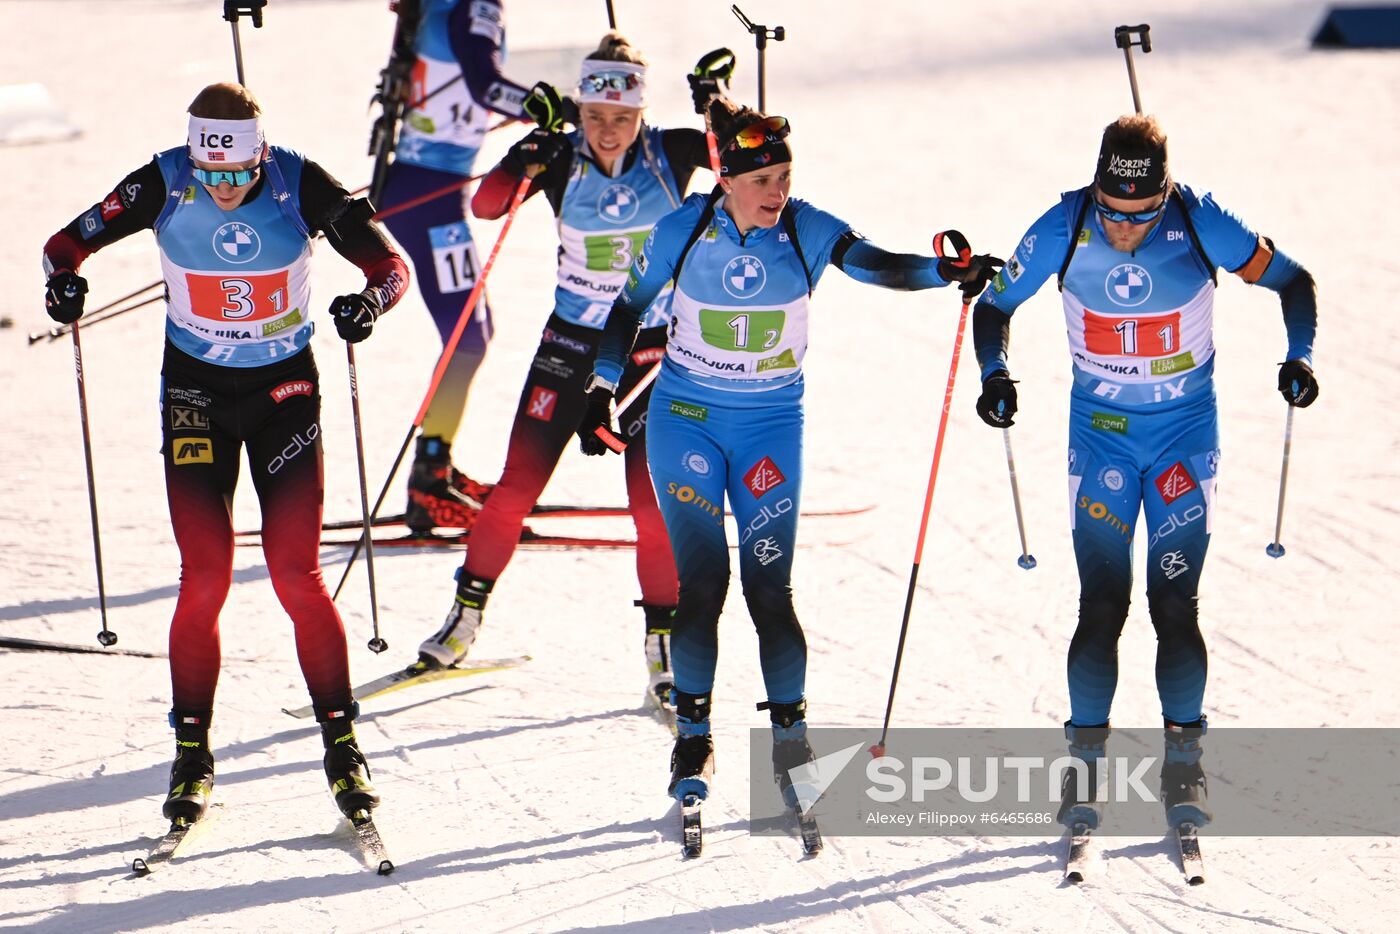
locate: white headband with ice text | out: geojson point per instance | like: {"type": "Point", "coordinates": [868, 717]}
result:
{"type": "Point", "coordinates": [230, 142]}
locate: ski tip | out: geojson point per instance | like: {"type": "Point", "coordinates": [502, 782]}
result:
{"type": "Point", "coordinates": [385, 867]}
{"type": "Point", "coordinates": [1196, 880]}
{"type": "Point", "coordinates": [1074, 876]}
{"type": "Point", "coordinates": [138, 866]}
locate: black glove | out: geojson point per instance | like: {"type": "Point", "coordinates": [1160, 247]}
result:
{"type": "Point", "coordinates": [64, 298]}
{"type": "Point", "coordinates": [973, 276]}
{"type": "Point", "coordinates": [355, 315]}
{"type": "Point", "coordinates": [548, 109]}
{"type": "Point", "coordinates": [1295, 381]}
{"type": "Point", "coordinates": [710, 78]}
{"type": "Point", "coordinates": [703, 90]}
{"type": "Point", "coordinates": [597, 414]}
{"type": "Point", "coordinates": [539, 147]}
{"type": "Point", "coordinates": [997, 404]}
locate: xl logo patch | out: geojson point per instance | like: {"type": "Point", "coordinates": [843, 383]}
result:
{"type": "Point", "coordinates": [181, 417]}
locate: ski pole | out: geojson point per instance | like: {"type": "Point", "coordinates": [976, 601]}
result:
{"type": "Point", "coordinates": [1123, 38]}
{"type": "Point", "coordinates": [377, 643]}
{"type": "Point", "coordinates": [1027, 560]}
{"type": "Point", "coordinates": [761, 34]}
{"type": "Point", "coordinates": [612, 18]}
{"type": "Point", "coordinates": [719, 65]}
{"type": "Point", "coordinates": [96, 316]}
{"type": "Point", "coordinates": [233, 9]}
{"type": "Point", "coordinates": [1275, 548]}
{"type": "Point", "coordinates": [964, 253]}
{"type": "Point", "coordinates": [613, 442]}
{"type": "Point", "coordinates": [430, 196]}
{"type": "Point", "coordinates": [446, 357]}
{"type": "Point", "coordinates": [106, 636]}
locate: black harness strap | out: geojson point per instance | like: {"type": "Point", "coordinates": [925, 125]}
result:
{"type": "Point", "coordinates": [789, 227]}
{"type": "Point", "coordinates": [1185, 216]}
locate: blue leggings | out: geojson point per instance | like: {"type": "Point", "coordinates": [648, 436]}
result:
{"type": "Point", "coordinates": [1164, 465]}
{"type": "Point", "coordinates": [701, 446]}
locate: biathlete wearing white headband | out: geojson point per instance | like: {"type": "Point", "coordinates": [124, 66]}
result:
{"type": "Point", "coordinates": [233, 142]}
{"type": "Point", "coordinates": [605, 82]}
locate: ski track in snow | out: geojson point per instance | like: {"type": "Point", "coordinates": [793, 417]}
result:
{"type": "Point", "coordinates": [532, 799]}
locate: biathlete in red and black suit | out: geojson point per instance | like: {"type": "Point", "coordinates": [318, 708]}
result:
{"type": "Point", "coordinates": [234, 220]}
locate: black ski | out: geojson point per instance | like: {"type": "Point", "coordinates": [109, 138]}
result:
{"type": "Point", "coordinates": [811, 833]}
{"type": "Point", "coordinates": [370, 844]}
{"type": "Point", "coordinates": [164, 850]}
{"type": "Point", "coordinates": [692, 835]}
{"type": "Point", "coordinates": [36, 645]}
{"type": "Point", "coordinates": [545, 511]}
{"type": "Point", "coordinates": [174, 843]}
{"type": "Point", "coordinates": [1080, 852]}
{"type": "Point", "coordinates": [1188, 844]}
{"type": "Point", "coordinates": [529, 539]}
{"type": "Point", "coordinates": [663, 711]}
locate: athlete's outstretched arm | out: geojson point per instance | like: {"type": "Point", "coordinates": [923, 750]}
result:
{"type": "Point", "coordinates": [865, 262]}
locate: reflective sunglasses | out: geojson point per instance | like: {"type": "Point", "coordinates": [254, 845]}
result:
{"type": "Point", "coordinates": [611, 80]}
{"type": "Point", "coordinates": [235, 177]}
{"type": "Point", "coordinates": [769, 129]}
{"type": "Point", "coordinates": [1131, 217]}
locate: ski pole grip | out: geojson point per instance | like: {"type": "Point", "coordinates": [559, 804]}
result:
{"type": "Point", "coordinates": [1123, 37]}
{"type": "Point", "coordinates": [613, 442]}
{"type": "Point", "coordinates": [252, 9]}
{"type": "Point", "coordinates": [718, 64]}
{"type": "Point", "coordinates": [961, 249]}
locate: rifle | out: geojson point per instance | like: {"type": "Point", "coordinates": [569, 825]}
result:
{"type": "Point", "coordinates": [394, 92]}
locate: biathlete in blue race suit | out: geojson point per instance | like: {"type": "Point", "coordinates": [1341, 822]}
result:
{"type": "Point", "coordinates": [607, 183]}
{"type": "Point", "coordinates": [457, 85]}
{"type": "Point", "coordinates": [725, 416]}
{"type": "Point", "coordinates": [1136, 255]}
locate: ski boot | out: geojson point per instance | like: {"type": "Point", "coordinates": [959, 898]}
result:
{"type": "Point", "coordinates": [790, 750]}
{"type": "Point", "coordinates": [1183, 781]}
{"type": "Point", "coordinates": [192, 774]}
{"type": "Point", "coordinates": [438, 493]}
{"type": "Point", "coordinates": [693, 758]}
{"type": "Point", "coordinates": [347, 772]}
{"type": "Point", "coordinates": [450, 644]}
{"type": "Point", "coordinates": [658, 654]}
{"type": "Point", "coordinates": [1082, 800]}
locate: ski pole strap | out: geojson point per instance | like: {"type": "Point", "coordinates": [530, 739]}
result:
{"type": "Point", "coordinates": [614, 443]}
{"type": "Point", "coordinates": [961, 249]}
{"type": "Point", "coordinates": [718, 64]}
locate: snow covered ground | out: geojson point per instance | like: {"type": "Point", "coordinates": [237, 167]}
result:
{"type": "Point", "coordinates": [533, 800]}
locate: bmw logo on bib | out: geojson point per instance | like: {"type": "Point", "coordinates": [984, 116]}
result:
{"type": "Point", "coordinates": [618, 204]}
{"type": "Point", "coordinates": [1128, 284]}
{"type": "Point", "coordinates": [237, 243]}
{"type": "Point", "coordinates": [744, 276]}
